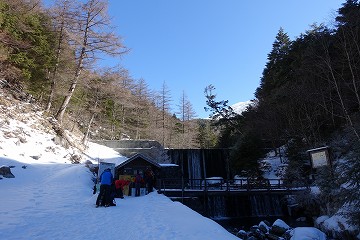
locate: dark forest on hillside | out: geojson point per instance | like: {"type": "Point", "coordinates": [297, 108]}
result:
{"type": "Point", "coordinates": [309, 97]}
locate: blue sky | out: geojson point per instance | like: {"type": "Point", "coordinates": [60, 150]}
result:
{"type": "Point", "coordinates": [190, 44]}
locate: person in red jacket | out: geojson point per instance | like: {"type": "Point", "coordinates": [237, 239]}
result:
{"type": "Point", "coordinates": [119, 185]}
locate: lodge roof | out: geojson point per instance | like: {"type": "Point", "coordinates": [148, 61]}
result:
{"type": "Point", "coordinates": [136, 156]}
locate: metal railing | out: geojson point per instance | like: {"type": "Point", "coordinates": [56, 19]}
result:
{"type": "Point", "coordinates": [167, 184]}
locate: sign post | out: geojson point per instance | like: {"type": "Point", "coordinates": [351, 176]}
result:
{"type": "Point", "coordinates": [105, 165]}
{"type": "Point", "coordinates": [319, 157]}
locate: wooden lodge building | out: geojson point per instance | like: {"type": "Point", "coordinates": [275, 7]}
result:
{"type": "Point", "coordinates": [136, 163]}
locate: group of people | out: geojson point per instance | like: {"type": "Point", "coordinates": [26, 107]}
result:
{"type": "Point", "coordinates": [111, 189]}
{"type": "Point", "coordinates": [147, 181]}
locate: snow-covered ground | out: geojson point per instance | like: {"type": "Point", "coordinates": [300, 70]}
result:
{"type": "Point", "coordinates": [50, 198]}
{"type": "Point", "coordinates": [55, 201]}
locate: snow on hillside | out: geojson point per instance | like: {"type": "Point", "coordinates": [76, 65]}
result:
{"type": "Point", "coordinates": [240, 106]}
{"type": "Point", "coordinates": [50, 198]}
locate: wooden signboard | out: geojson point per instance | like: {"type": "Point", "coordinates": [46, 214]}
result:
{"type": "Point", "coordinates": [319, 157]}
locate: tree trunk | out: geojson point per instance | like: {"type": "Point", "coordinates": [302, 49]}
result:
{"type": "Point", "coordinates": [84, 140]}
{"type": "Point", "coordinates": [57, 59]}
{"type": "Point", "coordinates": [327, 62]}
{"type": "Point", "coordinates": [60, 113]}
{"type": "Point", "coordinates": [353, 78]}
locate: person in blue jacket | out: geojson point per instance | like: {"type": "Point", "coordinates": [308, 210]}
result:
{"type": "Point", "coordinates": [106, 179]}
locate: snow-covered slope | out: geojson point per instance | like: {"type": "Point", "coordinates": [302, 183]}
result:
{"type": "Point", "coordinates": [50, 198]}
{"type": "Point", "coordinates": [55, 201]}
{"type": "Point", "coordinates": [240, 106]}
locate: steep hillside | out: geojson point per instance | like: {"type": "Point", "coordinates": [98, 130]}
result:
{"type": "Point", "coordinates": [50, 198]}
{"type": "Point", "coordinates": [21, 118]}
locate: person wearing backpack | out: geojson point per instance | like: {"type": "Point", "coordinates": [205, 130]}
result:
{"type": "Point", "coordinates": [106, 179]}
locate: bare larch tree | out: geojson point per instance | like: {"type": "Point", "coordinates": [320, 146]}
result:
{"type": "Point", "coordinates": [93, 35]}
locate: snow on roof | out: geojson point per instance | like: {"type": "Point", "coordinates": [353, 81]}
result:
{"type": "Point", "coordinates": [139, 155]}
{"type": "Point", "coordinates": [318, 149]}
{"type": "Point", "coordinates": [168, 165]}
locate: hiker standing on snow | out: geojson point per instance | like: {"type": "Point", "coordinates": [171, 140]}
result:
{"type": "Point", "coordinates": [106, 179]}
{"type": "Point", "coordinates": [149, 180]}
{"type": "Point", "coordinates": [138, 182]}
{"type": "Point", "coordinates": [119, 185]}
